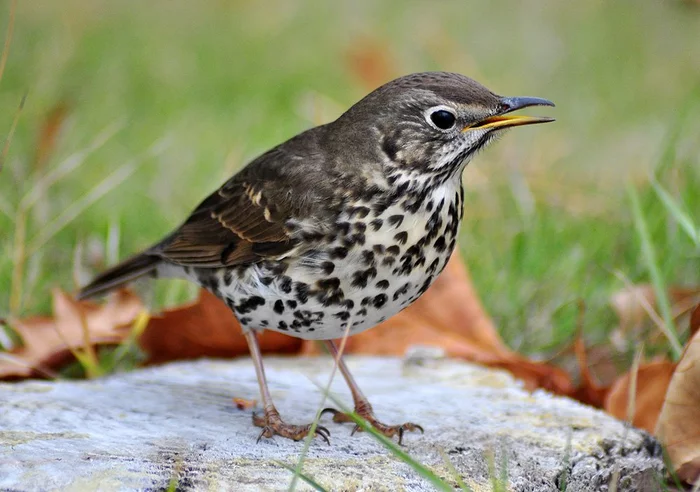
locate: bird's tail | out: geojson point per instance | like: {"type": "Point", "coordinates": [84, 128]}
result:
{"type": "Point", "coordinates": [119, 275]}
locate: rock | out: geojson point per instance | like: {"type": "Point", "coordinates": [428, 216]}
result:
{"type": "Point", "coordinates": [177, 425]}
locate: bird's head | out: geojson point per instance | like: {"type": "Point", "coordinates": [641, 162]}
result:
{"type": "Point", "coordinates": [433, 123]}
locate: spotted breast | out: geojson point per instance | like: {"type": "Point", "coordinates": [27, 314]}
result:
{"type": "Point", "coordinates": [380, 258]}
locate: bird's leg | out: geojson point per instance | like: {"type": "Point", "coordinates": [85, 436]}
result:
{"type": "Point", "coordinates": [362, 406]}
{"type": "Point", "coordinates": [271, 422]}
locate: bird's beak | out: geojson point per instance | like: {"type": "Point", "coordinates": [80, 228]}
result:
{"type": "Point", "coordinates": [508, 105]}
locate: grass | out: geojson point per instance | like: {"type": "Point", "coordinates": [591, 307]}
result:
{"type": "Point", "coordinates": [551, 211]}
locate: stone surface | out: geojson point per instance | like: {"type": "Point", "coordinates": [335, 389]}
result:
{"type": "Point", "coordinates": [177, 424]}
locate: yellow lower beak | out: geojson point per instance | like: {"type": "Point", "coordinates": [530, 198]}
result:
{"type": "Point", "coordinates": [506, 121]}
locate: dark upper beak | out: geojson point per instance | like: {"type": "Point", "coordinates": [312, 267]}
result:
{"type": "Point", "coordinates": [508, 105]}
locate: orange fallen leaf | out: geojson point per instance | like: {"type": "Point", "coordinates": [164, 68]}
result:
{"type": "Point", "coordinates": [589, 390]}
{"type": "Point", "coordinates": [204, 328]}
{"type": "Point", "coordinates": [243, 404]}
{"type": "Point", "coordinates": [652, 382]}
{"type": "Point", "coordinates": [678, 426]}
{"type": "Point", "coordinates": [694, 324]}
{"type": "Point", "coordinates": [47, 341]}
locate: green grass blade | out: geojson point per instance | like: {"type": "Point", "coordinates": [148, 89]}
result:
{"type": "Point", "coordinates": [674, 208]}
{"type": "Point", "coordinates": [657, 280]}
{"type": "Point", "coordinates": [455, 474]}
{"type": "Point", "coordinates": [394, 448]}
{"type": "Point", "coordinates": [303, 476]}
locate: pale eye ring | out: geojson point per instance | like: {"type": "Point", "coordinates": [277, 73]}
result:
{"type": "Point", "coordinates": [441, 118]}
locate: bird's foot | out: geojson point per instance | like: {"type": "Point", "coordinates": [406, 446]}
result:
{"type": "Point", "coordinates": [365, 411]}
{"type": "Point", "coordinates": [273, 425]}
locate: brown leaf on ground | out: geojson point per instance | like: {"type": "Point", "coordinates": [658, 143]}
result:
{"type": "Point", "coordinates": [370, 62]}
{"type": "Point", "coordinates": [204, 328]}
{"type": "Point", "coordinates": [678, 426]}
{"type": "Point", "coordinates": [450, 315]}
{"type": "Point", "coordinates": [652, 382]}
{"type": "Point", "coordinates": [589, 390]}
{"type": "Point", "coordinates": [629, 305]}
{"type": "Point", "coordinates": [243, 404]}
{"type": "Point", "coordinates": [694, 324]}
{"type": "Point", "coordinates": [47, 341]}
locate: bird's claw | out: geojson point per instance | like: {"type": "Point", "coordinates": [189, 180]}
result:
{"type": "Point", "coordinates": [273, 425]}
{"type": "Point", "coordinates": [387, 430]}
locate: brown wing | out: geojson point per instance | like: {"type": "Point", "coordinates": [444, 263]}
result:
{"type": "Point", "coordinates": [246, 220]}
{"type": "Point", "coordinates": [235, 225]}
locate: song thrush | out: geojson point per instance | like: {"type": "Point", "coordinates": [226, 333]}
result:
{"type": "Point", "coordinates": [340, 227]}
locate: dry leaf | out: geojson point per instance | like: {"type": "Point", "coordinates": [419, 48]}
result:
{"type": "Point", "coordinates": [243, 404]}
{"type": "Point", "coordinates": [652, 382]}
{"type": "Point", "coordinates": [589, 390]}
{"type": "Point", "coordinates": [47, 340]}
{"type": "Point", "coordinates": [628, 304]}
{"type": "Point", "coordinates": [694, 324]}
{"type": "Point", "coordinates": [204, 328]}
{"type": "Point", "coordinates": [678, 427]}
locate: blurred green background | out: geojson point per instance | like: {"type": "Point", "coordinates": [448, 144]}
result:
{"type": "Point", "coordinates": [196, 89]}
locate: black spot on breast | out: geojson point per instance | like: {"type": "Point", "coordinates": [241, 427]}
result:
{"type": "Point", "coordinates": [302, 292]}
{"type": "Point", "coordinates": [282, 325]}
{"type": "Point", "coordinates": [286, 284]}
{"type": "Point", "coordinates": [401, 291]}
{"type": "Point", "coordinates": [378, 248]}
{"type": "Point", "coordinates": [339, 252]}
{"type": "Point", "coordinates": [360, 279]}
{"type": "Point", "coordinates": [244, 320]}
{"type": "Point", "coordinates": [376, 224]}
{"type": "Point", "coordinates": [360, 226]}
{"type": "Point", "coordinates": [368, 257]}
{"type": "Point", "coordinates": [228, 277]}
{"type": "Point", "coordinates": [433, 266]}
{"type": "Point", "coordinates": [380, 300]}
{"type": "Point", "coordinates": [342, 315]}
{"type": "Point", "coordinates": [401, 237]}
{"type": "Point", "coordinates": [329, 283]}
{"type": "Point", "coordinates": [311, 237]}
{"type": "Point", "coordinates": [393, 250]}
{"type": "Point", "coordinates": [266, 280]}
{"type": "Point", "coordinates": [292, 304]}
{"type": "Point", "coordinates": [425, 286]}
{"type": "Point", "coordinates": [279, 306]}
{"type": "Point", "coordinates": [395, 220]}
{"type": "Point", "coordinates": [328, 267]}
{"type": "Point", "coordinates": [439, 244]}
{"type": "Point", "coordinates": [249, 304]}
{"type": "Point", "coordinates": [383, 284]}
{"type": "Point", "coordinates": [359, 211]}
{"type": "Point", "coordinates": [264, 323]}
{"type": "Point", "coordinates": [343, 227]}
{"type": "Point", "coordinates": [388, 261]}
{"type": "Point", "coordinates": [366, 300]}
{"type": "Point", "coordinates": [351, 240]}
{"type": "Point", "coordinates": [349, 303]}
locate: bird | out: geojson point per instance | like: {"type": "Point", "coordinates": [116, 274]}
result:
{"type": "Point", "coordinates": [338, 228]}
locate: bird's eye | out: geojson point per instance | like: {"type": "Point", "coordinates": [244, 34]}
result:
{"type": "Point", "coordinates": [443, 119]}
